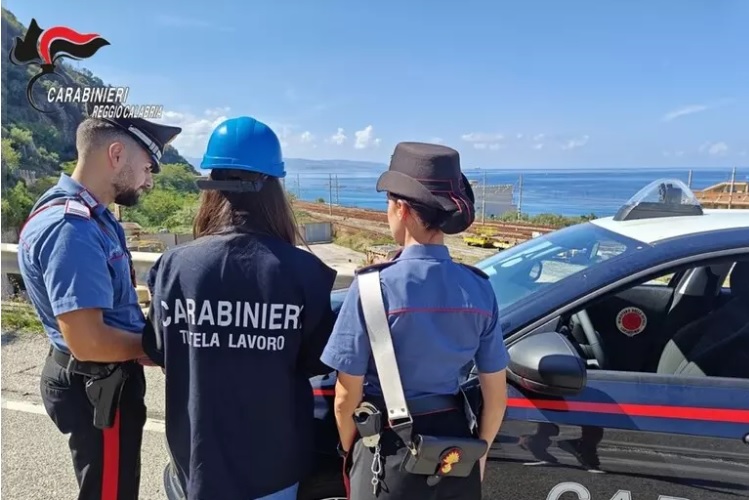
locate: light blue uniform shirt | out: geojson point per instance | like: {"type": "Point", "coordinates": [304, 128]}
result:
{"type": "Point", "coordinates": [442, 315]}
{"type": "Point", "coordinates": [74, 256]}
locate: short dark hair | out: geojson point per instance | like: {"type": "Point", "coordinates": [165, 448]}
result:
{"type": "Point", "coordinates": [93, 133]}
{"type": "Point", "coordinates": [431, 218]}
{"type": "Point", "coordinates": [267, 211]}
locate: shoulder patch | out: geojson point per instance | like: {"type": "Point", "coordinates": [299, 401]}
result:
{"type": "Point", "coordinates": [77, 208]}
{"type": "Point", "coordinates": [476, 270]}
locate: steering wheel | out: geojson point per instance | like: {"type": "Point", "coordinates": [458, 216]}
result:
{"type": "Point", "coordinates": [593, 337]}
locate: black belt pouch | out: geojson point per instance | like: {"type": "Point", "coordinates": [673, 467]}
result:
{"type": "Point", "coordinates": [444, 456]}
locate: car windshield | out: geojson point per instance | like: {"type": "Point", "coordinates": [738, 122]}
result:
{"type": "Point", "coordinates": [528, 269]}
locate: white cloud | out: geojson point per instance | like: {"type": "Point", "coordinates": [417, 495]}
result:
{"type": "Point", "coordinates": [483, 145]}
{"type": "Point", "coordinates": [436, 140]}
{"type": "Point", "coordinates": [691, 109]}
{"type": "Point", "coordinates": [575, 143]}
{"type": "Point", "coordinates": [338, 138]}
{"type": "Point", "coordinates": [714, 148]}
{"type": "Point", "coordinates": [684, 111]}
{"type": "Point", "coordinates": [536, 141]}
{"type": "Point", "coordinates": [482, 137]}
{"type": "Point", "coordinates": [196, 129]}
{"type": "Point", "coordinates": [365, 138]}
{"type": "Point", "coordinates": [485, 140]}
{"type": "Point", "coordinates": [718, 149]}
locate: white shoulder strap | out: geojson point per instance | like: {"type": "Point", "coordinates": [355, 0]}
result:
{"type": "Point", "coordinates": [381, 341]}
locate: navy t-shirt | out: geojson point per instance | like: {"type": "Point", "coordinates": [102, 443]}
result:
{"type": "Point", "coordinates": [239, 323]}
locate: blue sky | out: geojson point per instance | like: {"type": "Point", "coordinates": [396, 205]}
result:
{"type": "Point", "coordinates": [509, 84]}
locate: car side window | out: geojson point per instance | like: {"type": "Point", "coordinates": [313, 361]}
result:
{"type": "Point", "coordinates": [664, 280]}
{"type": "Point", "coordinates": [696, 327]}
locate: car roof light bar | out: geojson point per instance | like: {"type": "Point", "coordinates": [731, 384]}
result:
{"type": "Point", "coordinates": [660, 198]}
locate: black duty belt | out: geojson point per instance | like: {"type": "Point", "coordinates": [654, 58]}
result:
{"type": "Point", "coordinates": [423, 406]}
{"type": "Point", "coordinates": [86, 368]}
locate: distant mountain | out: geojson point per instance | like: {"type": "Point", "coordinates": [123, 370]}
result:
{"type": "Point", "coordinates": [195, 162]}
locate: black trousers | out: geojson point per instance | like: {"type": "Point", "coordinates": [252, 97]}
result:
{"type": "Point", "coordinates": [396, 484]}
{"type": "Point", "coordinates": [106, 462]}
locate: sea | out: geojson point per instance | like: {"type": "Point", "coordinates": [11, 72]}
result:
{"type": "Point", "coordinates": [568, 192]}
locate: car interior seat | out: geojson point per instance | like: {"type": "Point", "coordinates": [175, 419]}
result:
{"type": "Point", "coordinates": [716, 344]}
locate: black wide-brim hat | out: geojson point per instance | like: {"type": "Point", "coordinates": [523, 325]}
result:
{"type": "Point", "coordinates": [430, 175]}
{"type": "Point", "coordinates": [153, 137]}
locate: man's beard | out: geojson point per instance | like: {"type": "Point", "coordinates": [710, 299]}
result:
{"type": "Point", "coordinates": [125, 195]}
{"type": "Point", "coordinates": [127, 198]}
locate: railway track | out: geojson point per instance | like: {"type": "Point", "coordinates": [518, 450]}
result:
{"type": "Point", "coordinates": [505, 229]}
{"type": "Point", "coordinates": [455, 243]}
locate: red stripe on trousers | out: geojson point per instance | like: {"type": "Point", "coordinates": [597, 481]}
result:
{"type": "Point", "coordinates": [346, 481]}
{"type": "Point", "coordinates": [111, 467]}
{"type": "Point", "coordinates": [630, 409]}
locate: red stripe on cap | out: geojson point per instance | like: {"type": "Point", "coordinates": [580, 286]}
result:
{"type": "Point", "coordinates": [629, 409]}
{"type": "Point", "coordinates": [111, 467]}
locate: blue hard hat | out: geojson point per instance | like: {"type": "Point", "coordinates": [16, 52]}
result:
{"type": "Point", "coordinates": [244, 143]}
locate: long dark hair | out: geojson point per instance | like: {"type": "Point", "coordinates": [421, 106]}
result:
{"type": "Point", "coordinates": [267, 211]}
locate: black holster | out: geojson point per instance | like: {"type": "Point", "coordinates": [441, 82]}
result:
{"type": "Point", "coordinates": [104, 383]}
{"type": "Point", "coordinates": [104, 394]}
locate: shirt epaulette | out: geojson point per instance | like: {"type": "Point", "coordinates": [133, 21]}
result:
{"type": "Point", "coordinates": [73, 207]}
{"type": "Point", "coordinates": [372, 267]}
{"type": "Point", "coordinates": [476, 270]}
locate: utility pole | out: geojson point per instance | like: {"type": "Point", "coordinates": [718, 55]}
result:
{"type": "Point", "coordinates": [733, 181]}
{"type": "Point", "coordinates": [520, 197]}
{"type": "Point", "coordinates": [330, 193]}
{"type": "Point", "coordinates": [689, 180]}
{"type": "Point", "coordinates": [483, 201]}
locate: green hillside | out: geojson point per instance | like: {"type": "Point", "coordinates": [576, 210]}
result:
{"type": "Point", "coordinates": [36, 147]}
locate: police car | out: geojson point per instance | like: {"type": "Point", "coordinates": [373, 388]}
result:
{"type": "Point", "coordinates": [629, 346]}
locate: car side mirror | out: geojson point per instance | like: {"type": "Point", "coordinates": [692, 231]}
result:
{"type": "Point", "coordinates": [546, 363]}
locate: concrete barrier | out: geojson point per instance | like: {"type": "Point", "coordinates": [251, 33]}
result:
{"type": "Point", "coordinates": [142, 262]}
{"type": "Point", "coordinates": [317, 232]}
